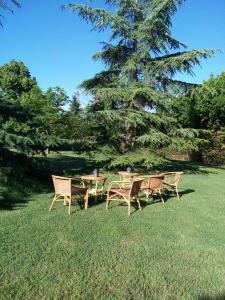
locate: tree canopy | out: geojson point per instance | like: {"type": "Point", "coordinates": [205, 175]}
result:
{"type": "Point", "coordinates": [202, 107]}
{"type": "Point", "coordinates": [130, 96]}
{"type": "Point", "coordinates": [22, 107]}
{"type": "Point", "coordinates": [138, 111]}
{"type": "Point", "coordinates": [7, 5]}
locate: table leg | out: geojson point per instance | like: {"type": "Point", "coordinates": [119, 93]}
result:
{"type": "Point", "coordinates": [86, 200]}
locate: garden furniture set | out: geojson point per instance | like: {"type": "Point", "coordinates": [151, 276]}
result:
{"type": "Point", "coordinates": [125, 190]}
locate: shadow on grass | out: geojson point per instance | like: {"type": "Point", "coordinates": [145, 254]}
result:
{"type": "Point", "coordinates": [32, 176]}
{"type": "Point", "coordinates": [219, 297]}
{"type": "Point", "coordinates": [64, 166]}
{"type": "Point", "coordinates": [74, 205]}
{"type": "Point", "coordinates": [186, 192]}
{"type": "Point", "coordinates": [184, 166]}
{"type": "Point", "coordinates": [134, 206]}
{"type": "Point", "coordinates": [16, 191]}
{"type": "Point", "coordinates": [17, 181]}
{"type": "Point", "coordinates": [167, 196]}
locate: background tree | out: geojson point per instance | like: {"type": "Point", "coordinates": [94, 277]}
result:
{"type": "Point", "coordinates": [21, 107]}
{"type": "Point", "coordinates": [141, 59]}
{"type": "Point", "coordinates": [75, 107]}
{"type": "Point", "coordinates": [5, 5]}
{"type": "Point", "coordinates": [77, 126]}
{"type": "Point", "coordinates": [203, 108]}
{"type": "Point", "coordinates": [15, 79]}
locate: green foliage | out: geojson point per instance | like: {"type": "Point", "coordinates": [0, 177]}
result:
{"type": "Point", "coordinates": [203, 108]}
{"type": "Point", "coordinates": [75, 104]}
{"type": "Point", "coordinates": [130, 96]}
{"type": "Point", "coordinates": [138, 158]}
{"type": "Point", "coordinates": [78, 130]}
{"type": "Point", "coordinates": [109, 158]}
{"type": "Point", "coordinates": [103, 156]}
{"type": "Point", "coordinates": [22, 108]}
{"type": "Point", "coordinates": [15, 79]}
{"type": "Point", "coordinates": [213, 152]}
{"type": "Point", "coordinates": [5, 5]}
{"type": "Point", "coordinates": [33, 120]}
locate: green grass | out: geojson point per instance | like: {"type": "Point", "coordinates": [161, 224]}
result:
{"type": "Point", "coordinates": [170, 251]}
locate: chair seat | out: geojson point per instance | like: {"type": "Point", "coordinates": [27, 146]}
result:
{"type": "Point", "coordinates": [120, 191]}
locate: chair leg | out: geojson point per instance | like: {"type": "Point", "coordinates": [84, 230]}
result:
{"type": "Point", "coordinates": [65, 201]}
{"type": "Point", "coordinates": [161, 197]}
{"type": "Point", "coordinates": [107, 201]}
{"type": "Point", "coordinates": [178, 196]}
{"type": "Point", "coordinates": [138, 201]}
{"type": "Point", "coordinates": [129, 208]}
{"type": "Point", "coordinates": [86, 201]}
{"type": "Point", "coordinates": [69, 200]}
{"type": "Point", "coordinates": [151, 193]}
{"type": "Point", "coordinates": [50, 208]}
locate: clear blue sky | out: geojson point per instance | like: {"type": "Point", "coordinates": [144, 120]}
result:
{"type": "Point", "coordinates": [57, 47]}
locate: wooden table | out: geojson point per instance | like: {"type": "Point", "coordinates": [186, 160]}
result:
{"type": "Point", "coordinates": [98, 187]}
{"type": "Point", "coordinates": [124, 175]}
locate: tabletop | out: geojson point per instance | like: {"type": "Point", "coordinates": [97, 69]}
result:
{"type": "Point", "coordinates": [168, 173]}
{"type": "Point", "coordinates": [131, 174]}
{"type": "Point", "coordinates": [93, 177]}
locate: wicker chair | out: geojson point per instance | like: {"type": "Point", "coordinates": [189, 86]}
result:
{"type": "Point", "coordinates": [153, 186]}
{"type": "Point", "coordinates": [171, 182]}
{"type": "Point", "coordinates": [64, 189]}
{"type": "Point", "coordinates": [128, 194]}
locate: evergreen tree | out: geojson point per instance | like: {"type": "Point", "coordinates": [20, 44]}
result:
{"type": "Point", "coordinates": [141, 59]}
{"type": "Point", "coordinates": [5, 5]}
{"type": "Point", "coordinates": [75, 104]}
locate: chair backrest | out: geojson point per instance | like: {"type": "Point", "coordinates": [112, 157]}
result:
{"type": "Point", "coordinates": [62, 185]}
{"type": "Point", "coordinates": [173, 177]}
{"type": "Point", "coordinates": [99, 185]}
{"type": "Point", "coordinates": [155, 182]}
{"type": "Point", "coordinates": [135, 187]}
{"type": "Point", "coordinates": [177, 178]}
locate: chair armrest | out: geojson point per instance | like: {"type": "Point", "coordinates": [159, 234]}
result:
{"type": "Point", "coordinates": [66, 178]}
{"type": "Point", "coordinates": [76, 179]}
{"type": "Point", "coordinates": [143, 177]}
{"type": "Point", "coordinates": [148, 176]}
{"type": "Point", "coordinates": [120, 181]}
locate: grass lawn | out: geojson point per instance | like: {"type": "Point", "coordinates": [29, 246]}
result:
{"type": "Point", "coordinates": [174, 250]}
